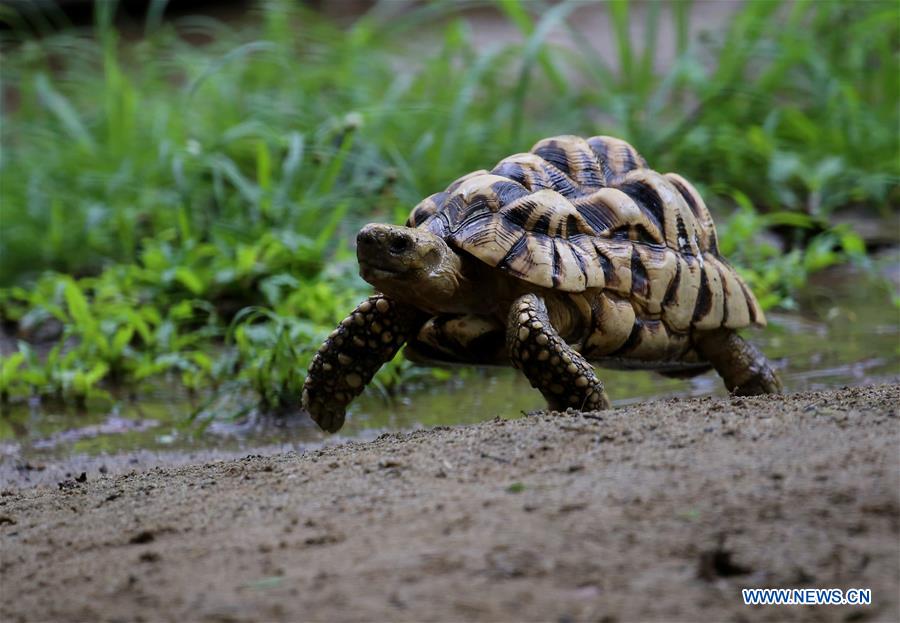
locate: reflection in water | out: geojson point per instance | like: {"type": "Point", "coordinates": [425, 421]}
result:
{"type": "Point", "coordinates": [848, 334]}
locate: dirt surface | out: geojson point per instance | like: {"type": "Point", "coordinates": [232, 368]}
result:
{"type": "Point", "coordinates": [661, 511]}
{"type": "Point", "coordinates": [19, 473]}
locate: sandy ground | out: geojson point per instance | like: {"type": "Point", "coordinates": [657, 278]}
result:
{"type": "Point", "coordinates": [661, 511]}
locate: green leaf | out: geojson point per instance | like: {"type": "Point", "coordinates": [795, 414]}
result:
{"type": "Point", "coordinates": [245, 259]}
{"type": "Point", "coordinates": [851, 242]}
{"type": "Point", "coordinates": [78, 307]}
{"type": "Point", "coordinates": [189, 280]}
{"type": "Point", "coordinates": [203, 361]}
{"type": "Point", "coordinates": [121, 339]}
{"type": "Point", "coordinates": [793, 219]}
{"type": "Point", "coordinates": [8, 366]}
{"type": "Point", "coordinates": [97, 372]}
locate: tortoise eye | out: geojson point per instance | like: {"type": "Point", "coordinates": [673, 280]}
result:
{"type": "Point", "coordinates": [399, 244]}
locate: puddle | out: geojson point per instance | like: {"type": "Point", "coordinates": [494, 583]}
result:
{"type": "Point", "coordinates": [847, 332]}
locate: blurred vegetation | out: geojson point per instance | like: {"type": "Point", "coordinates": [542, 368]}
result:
{"type": "Point", "coordinates": [175, 209]}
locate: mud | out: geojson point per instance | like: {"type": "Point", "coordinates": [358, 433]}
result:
{"type": "Point", "coordinates": [660, 511]}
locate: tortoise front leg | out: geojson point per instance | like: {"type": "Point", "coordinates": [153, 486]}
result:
{"type": "Point", "coordinates": [562, 375]}
{"type": "Point", "coordinates": [745, 370]}
{"type": "Point", "coordinates": [363, 342]}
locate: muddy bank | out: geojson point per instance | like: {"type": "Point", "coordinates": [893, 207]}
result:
{"type": "Point", "coordinates": [661, 511]}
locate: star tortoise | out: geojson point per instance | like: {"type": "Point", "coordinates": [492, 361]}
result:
{"type": "Point", "coordinates": [575, 252]}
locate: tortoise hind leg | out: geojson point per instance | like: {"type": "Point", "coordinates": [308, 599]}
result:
{"type": "Point", "coordinates": [562, 375]}
{"type": "Point", "coordinates": [364, 341]}
{"type": "Point", "coordinates": [745, 370]}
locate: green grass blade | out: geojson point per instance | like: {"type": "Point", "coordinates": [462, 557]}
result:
{"type": "Point", "coordinates": [516, 13]}
{"type": "Point", "coordinates": [64, 112]}
{"type": "Point", "coordinates": [619, 12]}
{"type": "Point", "coordinates": [533, 48]}
{"type": "Point", "coordinates": [154, 16]}
{"type": "Point", "coordinates": [236, 54]}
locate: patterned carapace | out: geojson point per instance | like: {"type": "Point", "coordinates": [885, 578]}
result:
{"type": "Point", "coordinates": [576, 214]}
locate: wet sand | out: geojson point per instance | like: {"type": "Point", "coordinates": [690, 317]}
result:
{"type": "Point", "coordinates": [660, 511]}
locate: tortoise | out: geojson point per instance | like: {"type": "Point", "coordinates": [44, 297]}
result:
{"type": "Point", "coordinates": [573, 253]}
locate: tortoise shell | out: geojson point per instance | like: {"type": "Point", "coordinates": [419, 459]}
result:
{"type": "Point", "coordinates": [578, 214]}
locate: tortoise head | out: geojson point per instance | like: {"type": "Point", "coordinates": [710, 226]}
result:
{"type": "Point", "coordinates": [410, 265]}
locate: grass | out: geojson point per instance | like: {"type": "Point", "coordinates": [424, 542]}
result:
{"type": "Point", "coordinates": [174, 209]}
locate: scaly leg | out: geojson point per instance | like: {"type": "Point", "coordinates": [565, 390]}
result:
{"type": "Point", "coordinates": [745, 370]}
{"type": "Point", "coordinates": [563, 376]}
{"type": "Point", "coordinates": [363, 342]}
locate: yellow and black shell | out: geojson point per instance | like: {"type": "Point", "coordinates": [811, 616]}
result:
{"type": "Point", "coordinates": [575, 215]}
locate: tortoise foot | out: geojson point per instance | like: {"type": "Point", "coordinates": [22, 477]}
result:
{"type": "Point", "coordinates": [348, 359]}
{"type": "Point", "coordinates": [742, 366]}
{"type": "Point", "coordinates": [562, 375]}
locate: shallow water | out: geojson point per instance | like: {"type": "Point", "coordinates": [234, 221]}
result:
{"type": "Point", "coordinates": [847, 332]}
